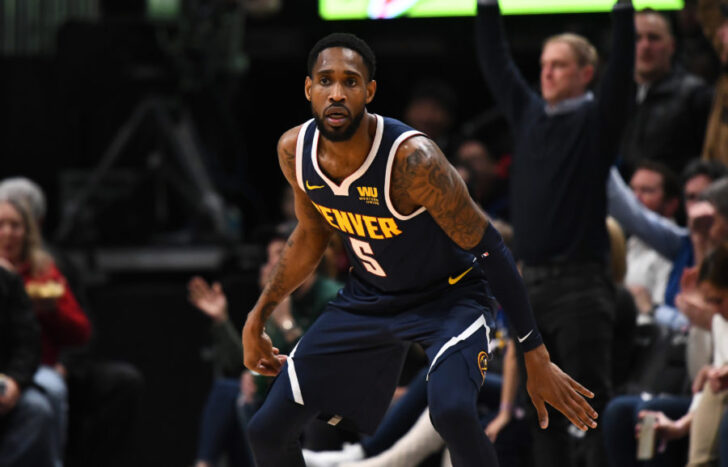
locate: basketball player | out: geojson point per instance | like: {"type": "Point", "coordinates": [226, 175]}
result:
{"type": "Point", "coordinates": [424, 261]}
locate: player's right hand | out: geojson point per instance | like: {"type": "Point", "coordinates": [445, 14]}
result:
{"type": "Point", "coordinates": [259, 354]}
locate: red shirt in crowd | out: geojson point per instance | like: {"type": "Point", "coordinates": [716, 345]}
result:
{"type": "Point", "coordinates": [63, 323]}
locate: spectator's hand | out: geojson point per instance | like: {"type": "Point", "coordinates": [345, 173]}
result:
{"type": "Point", "coordinates": [211, 300]}
{"type": "Point", "coordinates": [11, 396]}
{"type": "Point", "coordinates": [548, 384]}
{"type": "Point", "coordinates": [259, 353]}
{"type": "Point", "coordinates": [692, 305]}
{"type": "Point", "coordinates": [497, 424]}
{"type": "Point", "coordinates": [701, 378]}
{"type": "Point", "coordinates": [5, 264]}
{"type": "Point", "coordinates": [718, 378]}
{"type": "Point", "coordinates": [666, 428]}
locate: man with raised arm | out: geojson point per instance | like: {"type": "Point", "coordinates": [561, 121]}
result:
{"type": "Point", "coordinates": [424, 260]}
{"type": "Point", "coordinates": [565, 141]}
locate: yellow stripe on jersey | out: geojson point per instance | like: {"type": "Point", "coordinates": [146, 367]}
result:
{"type": "Point", "coordinates": [376, 228]}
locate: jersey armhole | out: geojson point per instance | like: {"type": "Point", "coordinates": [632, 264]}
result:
{"type": "Point", "coordinates": [299, 154]}
{"type": "Point", "coordinates": [388, 175]}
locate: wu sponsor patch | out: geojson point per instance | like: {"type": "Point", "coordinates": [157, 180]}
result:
{"type": "Point", "coordinates": [368, 194]}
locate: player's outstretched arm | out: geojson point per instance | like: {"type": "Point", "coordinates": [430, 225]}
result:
{"type": "Point", "coordinates": [422, 176]}
{"type": "Point", "coordinates": [299, 258]}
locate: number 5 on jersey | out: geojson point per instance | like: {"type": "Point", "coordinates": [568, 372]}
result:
{"type": "Point", "coordinates": [362, 250]}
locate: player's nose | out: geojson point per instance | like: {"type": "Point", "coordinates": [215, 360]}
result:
{"type": "Point", "coordinates": [337, 93]}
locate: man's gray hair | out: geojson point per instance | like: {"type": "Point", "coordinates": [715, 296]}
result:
{"type": "Point", "coordinates": [25, 191]}
{"type": "Point", "coordinates": [717, 195]}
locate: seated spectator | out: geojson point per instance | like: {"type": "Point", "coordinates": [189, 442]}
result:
{"type": "Point", "coordinates": [27, 429]}
{"type": "Point", "coordinates": [671, 241]}
{"type": "Point", "coordinates": [710, 386]}
{"type": "Point", "coordinates": [62, 322]}
{"type": "Point", "coordinates": [658, 189]}
{"type": "Point", "coordinates": [707, 442]}
{"type": "Point", "coordinates": [104, 397]}
{"type": "Point", "coordinates": [707, 230]}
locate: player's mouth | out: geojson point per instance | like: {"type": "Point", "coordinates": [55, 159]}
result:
{"type": "Point", "coordinates": [337, 116]}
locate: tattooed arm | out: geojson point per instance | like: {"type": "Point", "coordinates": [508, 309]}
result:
{"type": "Point", "coordinates": [299, 259]}
{"type": "Point", "coordinates": [423, 177]}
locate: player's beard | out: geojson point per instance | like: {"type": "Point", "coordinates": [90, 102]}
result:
{"type": "Point", "coordinates": [339, 134]}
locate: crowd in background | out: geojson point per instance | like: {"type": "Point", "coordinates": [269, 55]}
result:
{"type": "Point", "coordinates": [624, 253]}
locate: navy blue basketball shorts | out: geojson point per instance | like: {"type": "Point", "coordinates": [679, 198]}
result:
{"type": "Point", "coordinates": [347, 365]}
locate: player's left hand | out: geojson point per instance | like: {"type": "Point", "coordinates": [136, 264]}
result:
{"type": "Point", "coordinates": [548, 384]}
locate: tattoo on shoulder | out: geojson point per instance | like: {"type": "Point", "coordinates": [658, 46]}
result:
{"type": "Point", "coordinates": [428, 179]}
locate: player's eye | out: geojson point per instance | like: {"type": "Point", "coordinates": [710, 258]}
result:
{"type": "Point", "coordinates": [324, 81]}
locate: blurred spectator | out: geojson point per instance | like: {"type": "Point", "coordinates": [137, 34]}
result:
{"type": "Point", "coordinates": [658, 189]}
{"type": "Point", "coordinates": [713, 16]}
{"type": "Point", "coordinates": [668, 124]}
{"type": "Point", "coordinates": [481, 174]}
{"type": "Point", "coordinates": [710, 385]}
{"type": "Point", "coordinates": [565, 142]}
{"type": "Point", "coordinates": [707, 231]}
{"type": "Point", "coordinates": [431, 109]}
{"type": "Point", "coordinates": [625, 309]}
{"type": "Point", "coordinates": [63, 323]}
{"type": "Point", "coordinates": [705, 437]}
{"type": "Point", "coordinates": [697, 176]}
{"type": "Point", "coordinates": [99, 393]}
{"type": "Point", "coordinates": [671, 241]}
{"type": "Point", "coordinates": [27, 421]}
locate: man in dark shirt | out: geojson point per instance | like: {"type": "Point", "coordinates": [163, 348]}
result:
{"type": "Point", "coordinates": [565, 142]}
{"type": "Point", "coordinates": [669, 122]}
{"type": "Point", "coordinates": [26, 417]}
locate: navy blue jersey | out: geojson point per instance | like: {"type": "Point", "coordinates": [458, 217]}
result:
{"type": "Point", "coordinates": [390, 252]}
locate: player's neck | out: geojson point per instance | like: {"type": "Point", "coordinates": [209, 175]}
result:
{"type": "Point", "coordinates": [341, 159]}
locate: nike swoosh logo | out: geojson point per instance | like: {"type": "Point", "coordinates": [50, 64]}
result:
{"type": "Point", "coordinates": [313, 187]}
{"type": "Point", "coordinates": [521, 339]}
{"type": "Point", "coordinates": [456, 279]}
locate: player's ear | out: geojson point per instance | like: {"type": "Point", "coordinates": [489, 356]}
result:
{"type": "Point", "coordinates": [307, 88]}
{"type": "Point", "coordinates": [371, 90]}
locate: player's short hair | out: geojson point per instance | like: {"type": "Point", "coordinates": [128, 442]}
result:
{"type": "Point", "coordinates": [346, 40]}
{"type": "Point", "coordinates": [586, 53]}
{"type": "Point", "coordinates": [27, 191]}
